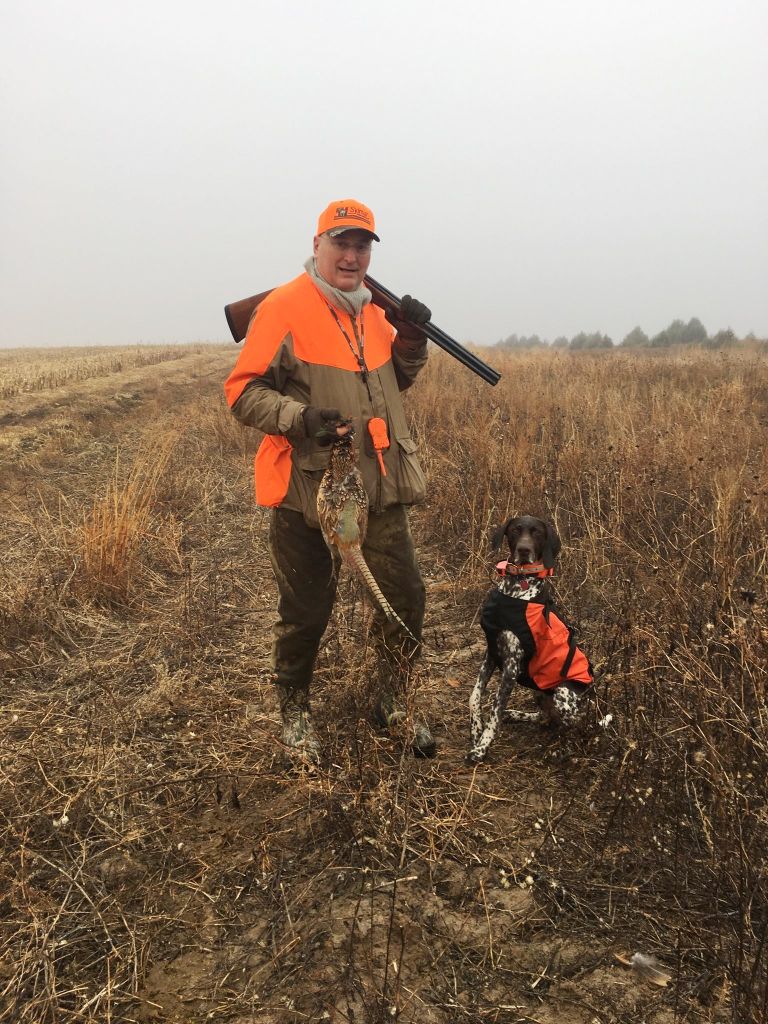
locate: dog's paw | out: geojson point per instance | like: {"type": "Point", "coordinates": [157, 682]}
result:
{"type": "Point", "coordinates": [475, 756]}
{"type": "Point", "coordinates": [513, 715]}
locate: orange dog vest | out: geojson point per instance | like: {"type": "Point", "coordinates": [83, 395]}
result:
{"type": "Point", "coordinates": [551, 655]}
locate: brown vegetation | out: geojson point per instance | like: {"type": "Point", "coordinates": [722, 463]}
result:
{"type": "Point", "coordinates": [160, 864]}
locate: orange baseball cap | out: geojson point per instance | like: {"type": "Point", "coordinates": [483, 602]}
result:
{"type": "Point", "coordinates": [345, 214]}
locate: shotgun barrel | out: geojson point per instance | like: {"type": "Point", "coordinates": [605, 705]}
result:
{"type": "Point", "coordinates": [239, 316]}
{"type": "Point", "coordinates": [388, 300]}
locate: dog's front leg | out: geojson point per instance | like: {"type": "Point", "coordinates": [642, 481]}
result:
{"type": "Point", "coordinates": [476, 700]}
{"type": "Point", "coordinates": [481, 746]}
{"type": "Point", "coordinates": [512, 659]}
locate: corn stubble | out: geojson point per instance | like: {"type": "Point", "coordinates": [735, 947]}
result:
{"type": "Point", "coordinates": [159, 864]}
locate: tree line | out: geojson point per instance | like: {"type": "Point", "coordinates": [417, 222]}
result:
{"type": "Point", "coordinates": [678, 333]}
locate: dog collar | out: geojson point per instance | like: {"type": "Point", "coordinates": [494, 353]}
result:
{"type": "Point", "coordinates": [529, 569]}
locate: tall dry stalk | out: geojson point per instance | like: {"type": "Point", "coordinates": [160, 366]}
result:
{"type": "Point", "coordinates": [118, 525]}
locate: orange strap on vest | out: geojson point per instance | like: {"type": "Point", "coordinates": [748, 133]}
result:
{"type": "Point", "coordinates": [377, 428]}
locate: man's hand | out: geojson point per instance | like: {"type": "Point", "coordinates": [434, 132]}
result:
{"type": "Point", "coordinates": [408, 319]}
{"type": "Point", "coordinates": [324, 425]}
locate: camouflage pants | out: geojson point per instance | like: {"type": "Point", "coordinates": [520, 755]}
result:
{"type": "Point", "coordinates": [306, 580]}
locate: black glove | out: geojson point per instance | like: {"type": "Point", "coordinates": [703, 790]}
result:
{"type": "Point", "coordinates": [321, 424]}
{"type": "Point", "coordinates": [408, 319]}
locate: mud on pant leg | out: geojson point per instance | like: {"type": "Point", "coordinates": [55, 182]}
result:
{"type": "Point", "coordinates": [390, 554]}
{"type": "Point", "coordinates": [306, 586]}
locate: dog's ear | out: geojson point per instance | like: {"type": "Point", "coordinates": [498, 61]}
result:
{"type": "Point", "coordinates": [551, 547]}
{"type": "Point", "coordinates": [498, 535]}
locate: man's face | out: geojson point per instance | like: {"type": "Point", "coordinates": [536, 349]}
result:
{"type": "Point", "coordinates": [343, 261]}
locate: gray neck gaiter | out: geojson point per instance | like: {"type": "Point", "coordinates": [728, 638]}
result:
{"type": "Point", "coordinates": [350, 302]}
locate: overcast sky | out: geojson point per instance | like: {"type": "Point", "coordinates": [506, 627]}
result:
{"type": "Point", "coordinates": [544, 167]}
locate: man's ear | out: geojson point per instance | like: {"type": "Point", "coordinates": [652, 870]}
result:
{"type": "Point", "coordinates": [498, 535]}
{"type": "Point", "coordinates": [315, 244]}
{"type": "Point", "coordinates": [551, 547]}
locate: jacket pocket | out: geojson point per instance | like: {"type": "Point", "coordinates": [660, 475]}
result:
{"type": "Point", "coordinates": [313, 462]}
{"type": "Point", "coordinates": [411, 482]}
{"type": "Point", "coordinates": [310, 465]}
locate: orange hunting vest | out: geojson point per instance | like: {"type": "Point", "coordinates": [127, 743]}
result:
{"type": "Point", "coordinates": [294, 334]}
{"type": "Point", "coordinates": [551, 654]}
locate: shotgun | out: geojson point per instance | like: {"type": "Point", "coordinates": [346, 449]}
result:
{"type": "Point", "coordinates": [239, 316]}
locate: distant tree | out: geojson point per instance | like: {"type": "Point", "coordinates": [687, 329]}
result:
{"type": "Point", "coordinates": [752, 339]}
{"type": "Point", "coordinates": [515, 341]}
{"type": "Point", "coordinates": [509, 342]}
{"type": "Point", "coordinates": [560, 342]}
{"type": "Point", "coordinates": [533, 341]}
{"type": "Point", "coordinates": [694, 332]}
{"type": "Point", "coordinates": [661, 340]}
{"type": "Point", "coordinates": [723, 339]}
{"type": "Point", "coordinates": [594, 340]}
{"type": "Point", "coordinates": [637, 338]}
{"type": "Point", "coordinates": [679, 333]}
{"type": "Point", "coordinates": [676, 332]}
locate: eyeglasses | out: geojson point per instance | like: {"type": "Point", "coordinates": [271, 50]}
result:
{"type": "Point", "coordinates": [359, 245]}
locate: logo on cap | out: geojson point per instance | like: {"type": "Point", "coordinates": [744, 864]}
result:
{"type": "Point", "coordinates": [345, 214]}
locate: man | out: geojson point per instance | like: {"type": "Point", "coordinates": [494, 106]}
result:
{"type": "Point", "coordinates": [317, 352]}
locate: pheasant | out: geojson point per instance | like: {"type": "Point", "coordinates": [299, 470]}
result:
{"type": "Point", "coordinates": [342, 508]}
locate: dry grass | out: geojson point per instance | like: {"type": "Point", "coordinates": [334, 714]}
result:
{"type": "Point", "coordinates": [119, 524]}
{"type": "Point", "coordinates": [160, 864]}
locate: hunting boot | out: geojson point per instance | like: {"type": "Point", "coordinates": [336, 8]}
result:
{"type": "Point", "coordinates": [298, 733]}
{"type": "Point", "coordinates": [390, 714]}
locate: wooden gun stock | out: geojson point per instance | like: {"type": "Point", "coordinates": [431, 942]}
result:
{"type": "Point", "coordinates": [239, 315]}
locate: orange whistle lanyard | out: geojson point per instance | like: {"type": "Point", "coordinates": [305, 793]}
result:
{"type": "Point", "coordinates": [358, 353]}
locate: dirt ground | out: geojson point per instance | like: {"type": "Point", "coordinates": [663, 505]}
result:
{"type": "Point", "coordinates": [161, 863]}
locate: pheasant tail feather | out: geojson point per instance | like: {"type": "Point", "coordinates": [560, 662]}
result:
{"type": "Point", "coordinates": [353, 557]}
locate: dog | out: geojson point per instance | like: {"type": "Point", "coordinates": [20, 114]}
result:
{"type": "Point", "coordinates": [527, 641]}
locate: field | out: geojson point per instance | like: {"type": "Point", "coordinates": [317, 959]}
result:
{"type": "Point", "coordinates": [160, 863]}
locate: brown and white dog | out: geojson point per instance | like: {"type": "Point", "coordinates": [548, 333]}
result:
{"type": "Point", "coordinates": [527, 641]}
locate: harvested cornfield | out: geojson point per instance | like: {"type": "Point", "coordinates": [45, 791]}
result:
{"type": "Point", "coordinates": [161, 864]}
